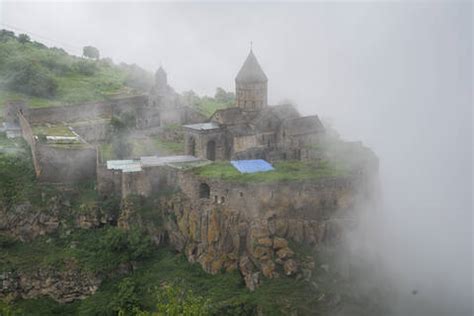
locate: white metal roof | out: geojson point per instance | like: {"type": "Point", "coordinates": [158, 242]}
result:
{"type": "Point", "coordinates": [124, 165]}
{"type": "Point", "coordinates": [149, 161]}
{"type": "Point", "coordinates": [203, 126]}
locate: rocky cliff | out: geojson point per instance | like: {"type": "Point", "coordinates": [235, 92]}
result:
{"type": "Point", "coordinates": [258, 236]}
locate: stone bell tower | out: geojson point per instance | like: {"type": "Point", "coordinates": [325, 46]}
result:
{"type": "Point", "coordinates": [251, 85]}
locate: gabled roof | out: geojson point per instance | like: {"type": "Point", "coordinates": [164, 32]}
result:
{"type": "Point", "coordinates": [251, 71]}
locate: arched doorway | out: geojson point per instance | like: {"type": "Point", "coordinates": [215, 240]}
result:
{"type": "Point", "coordinates": [211, 150]}
{"type": "Point", "coordinates": [204, 191]}
{"type": "Point", "coordinates": [192, 146]}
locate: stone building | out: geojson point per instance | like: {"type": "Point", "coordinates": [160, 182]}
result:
{"type": "Point", "coordinates": [253, 129]}
{"type": "Point", "coordinates": [164, 106]}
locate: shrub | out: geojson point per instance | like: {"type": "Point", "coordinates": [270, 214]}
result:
{"type": "Point", "coordinates": [23, 38]}
{"type": "Point", "coordinates": [29, 77]}
{"type": "Point", "coordinates": [90, 52]}
{"type": "Point", "coordinates": [86, 67]}
{"type": "Point", "coordinates": [6, 35]}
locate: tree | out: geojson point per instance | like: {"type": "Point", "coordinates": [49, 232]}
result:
{"type": "Point", "coordinates": [223, 96]}
{"type": "Point", "coordinates": [23, 38]}
{"type": "Point", "coordinates": [6, 35]}
{"type": "Point", "coordinates": [29, 77]}
{"type": "Point", "coordinates": [90, 52]}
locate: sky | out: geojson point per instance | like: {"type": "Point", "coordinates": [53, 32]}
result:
{"type": "Point", "coordinates": [395, 75]}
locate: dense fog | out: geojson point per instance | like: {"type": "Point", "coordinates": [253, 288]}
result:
{"type": "Point", "coordinates": [395, 75]}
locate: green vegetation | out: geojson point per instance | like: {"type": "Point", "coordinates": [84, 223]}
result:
{"type": "Point", "coordinates": [162, 282]}
{"type": "Point", "coordinates": [97, 251]}
{"type": "Point", "coordinates": [11, 146]}
{"type": "Point", "coordinates": [52, 130]}
{"type": "Point", "coordinates": [208, 105]}
{"type": "Point", "coordinates": [18, 181]}
{"type": "Point", "coordinates": [284, 171]}
{"type": "Point", "coordinates": [45, 76]}
{"type": "Point", "coordinates": [168, 147]}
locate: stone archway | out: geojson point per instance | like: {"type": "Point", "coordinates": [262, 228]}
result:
{"type": "Point", "coordinates": [211, 150]}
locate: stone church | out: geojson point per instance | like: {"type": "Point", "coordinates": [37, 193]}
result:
{"type": "Point", "coordinates": [252, 129]}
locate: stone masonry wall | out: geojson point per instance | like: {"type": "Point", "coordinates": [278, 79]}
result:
{"type": "Point", "coordinates": [62, 164]}
{"type": "Point", "coordinates": [251, 226]}
{"type": "Point", "coordinates": [81, 112]}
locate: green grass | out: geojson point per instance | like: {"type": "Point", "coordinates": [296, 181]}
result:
{"type": "Point", "coordinates": [52, 130]}
{"type": "Point", "coordinates": [93, 250]}
{"type": "Point", "coordinates": [73, 84]}
{"type": "Point", "coordinates": [284, 171]}
{"type": "Point", "coordinates": [10, 143]}
{"type": "Point", "coordinates": [167, 147]}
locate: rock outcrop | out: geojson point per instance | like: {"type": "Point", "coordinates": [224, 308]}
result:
{"type": "Point", "coordinates": [64, 285]}
{"type": "Point", "coordinates": [25, 221]}
{"type": "Point", "coordinates": [222, 237]}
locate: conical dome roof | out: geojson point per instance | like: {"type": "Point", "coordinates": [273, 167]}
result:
{"type": "Point", "coordinates": [251, 71]}
{"type": "Point", "coordinates": [160, 72]}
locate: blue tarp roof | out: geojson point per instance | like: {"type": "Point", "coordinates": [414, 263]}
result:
{"type": "Point", "coordinates": [251, 166]}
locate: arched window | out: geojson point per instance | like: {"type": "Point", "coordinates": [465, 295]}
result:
{"type": "Point", "coordinates": [204, 191]}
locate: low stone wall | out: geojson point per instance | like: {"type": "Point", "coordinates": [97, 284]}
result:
{"type": "Point", "coordinates": [93, 131]}
{"type": "Point", "coordinates": [82, 112]}
{"type": "Point", "coordinates": [109, 182]}
{"type": "Point", "coordinates": [27, 134]}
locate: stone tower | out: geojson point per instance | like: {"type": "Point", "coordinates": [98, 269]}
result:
{"type": "Point", "coordinates": [251, 85]}
{"type": "Point", "coordinates": [161, 81]}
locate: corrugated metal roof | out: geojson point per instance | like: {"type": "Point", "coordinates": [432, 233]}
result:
{"type": "Point", "coordinates": [251, 166]}
{"type": "Point", "coordinates": [149, 161]}
{"type": "Point", "coordinates": [124, 165]}
{"type": "Point", "coordinates": [178, 162]}
{"type": "Point", "coordinates": [203, 126]}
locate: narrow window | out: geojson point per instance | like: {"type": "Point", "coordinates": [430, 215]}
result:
{"type": "Point", "coordinates": [204, 191]}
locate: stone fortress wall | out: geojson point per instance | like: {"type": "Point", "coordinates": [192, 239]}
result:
{"type": "Point", "coordinates": [59, 163]}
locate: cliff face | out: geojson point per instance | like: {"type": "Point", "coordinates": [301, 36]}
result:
{"type": "Point", "coordinates": [27, 222]}
{"type": "Point", "coordinates": [63, 286]}
{"type": "Point", "coordinates": [258, 235]}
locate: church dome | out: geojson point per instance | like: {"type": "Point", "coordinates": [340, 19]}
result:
{"type": "Point", "coordinates": [251, 71]}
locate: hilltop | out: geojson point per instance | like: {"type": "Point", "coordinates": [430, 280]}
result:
{"type": "Point", "coordinates": [49, 76]}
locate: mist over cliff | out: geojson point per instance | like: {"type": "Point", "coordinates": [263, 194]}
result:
{"type": "Point", "coordinates": [397, 76]}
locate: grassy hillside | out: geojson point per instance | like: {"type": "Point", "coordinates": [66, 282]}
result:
{"type": "Point", "coordinates": [49, 76]}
